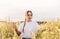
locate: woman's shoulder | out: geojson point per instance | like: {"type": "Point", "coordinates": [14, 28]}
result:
{"type": "Point", "coordinates": [34, 22]}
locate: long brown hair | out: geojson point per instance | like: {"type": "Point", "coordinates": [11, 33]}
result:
{"type": "Point", "coordinates": [25, 19]}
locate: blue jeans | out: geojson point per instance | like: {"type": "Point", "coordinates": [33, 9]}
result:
{"type": "Point", "coordinates": [26, 38]}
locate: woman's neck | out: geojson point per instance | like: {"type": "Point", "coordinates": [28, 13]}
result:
{"type": "Point", "coordinates": [28, 20]}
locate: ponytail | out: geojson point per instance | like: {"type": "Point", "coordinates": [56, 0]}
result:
{"type": "Point", "coordinates": [24, 26]}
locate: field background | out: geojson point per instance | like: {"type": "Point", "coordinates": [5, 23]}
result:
{"type": "Point", "coordinates": [7, 32]}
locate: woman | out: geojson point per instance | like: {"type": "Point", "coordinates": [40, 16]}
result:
{"type": "Point", "coordinates": [28, 28]}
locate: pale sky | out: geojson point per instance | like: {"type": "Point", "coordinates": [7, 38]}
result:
{"type": "Point", "coordinates": [43, 10]}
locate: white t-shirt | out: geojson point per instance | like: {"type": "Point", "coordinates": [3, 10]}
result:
{"type": "Point", "coordinates": [29, 29]}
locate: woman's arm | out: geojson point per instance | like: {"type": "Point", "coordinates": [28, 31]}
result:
{"type": "Point", "coordinates": [18, 33]}
{"type": "Point", "coordinates": [44, 29]}
{"type": "Point", "coordinates": [14, 26]}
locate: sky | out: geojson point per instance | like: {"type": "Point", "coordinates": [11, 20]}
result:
{"type": "Point", "coordinates": [43, 10]}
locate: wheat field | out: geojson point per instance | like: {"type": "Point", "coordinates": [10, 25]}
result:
{"type": "Point", "coordinates": [7, 32]}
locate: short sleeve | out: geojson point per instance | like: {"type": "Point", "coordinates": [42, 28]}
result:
{"type": "Point", "coordinates": [37, 26]}
{"type": "Point", "coordinates": [20, 27]}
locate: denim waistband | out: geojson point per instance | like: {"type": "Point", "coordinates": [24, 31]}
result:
{"type": "Point", "coordinates": [26, 38]}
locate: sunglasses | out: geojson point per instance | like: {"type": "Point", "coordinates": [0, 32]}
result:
{"type": "Point", "coordinates": [29, 15]}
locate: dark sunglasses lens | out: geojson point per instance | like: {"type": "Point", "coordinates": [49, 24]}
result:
{"type": "Point", "coordinates": [29, 15]}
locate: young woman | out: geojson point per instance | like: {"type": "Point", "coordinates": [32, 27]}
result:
{"type": "Point", "coordinates": [28, 27]}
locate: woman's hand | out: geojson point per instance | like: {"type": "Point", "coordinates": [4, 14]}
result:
{"type": "Point", "coordinates": [14, 26]}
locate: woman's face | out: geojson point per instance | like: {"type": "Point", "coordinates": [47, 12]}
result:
{"type": "Point", "coordinates": [29, 16]}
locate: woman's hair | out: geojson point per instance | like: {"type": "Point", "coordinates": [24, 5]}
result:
{"type": "Point", "coordinates": [30, 12]}
{"type": "Point", "coordinates": [25, 19]}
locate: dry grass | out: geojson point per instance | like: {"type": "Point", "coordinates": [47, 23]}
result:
{"type": "Point", "coordinates": [7, 32]}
